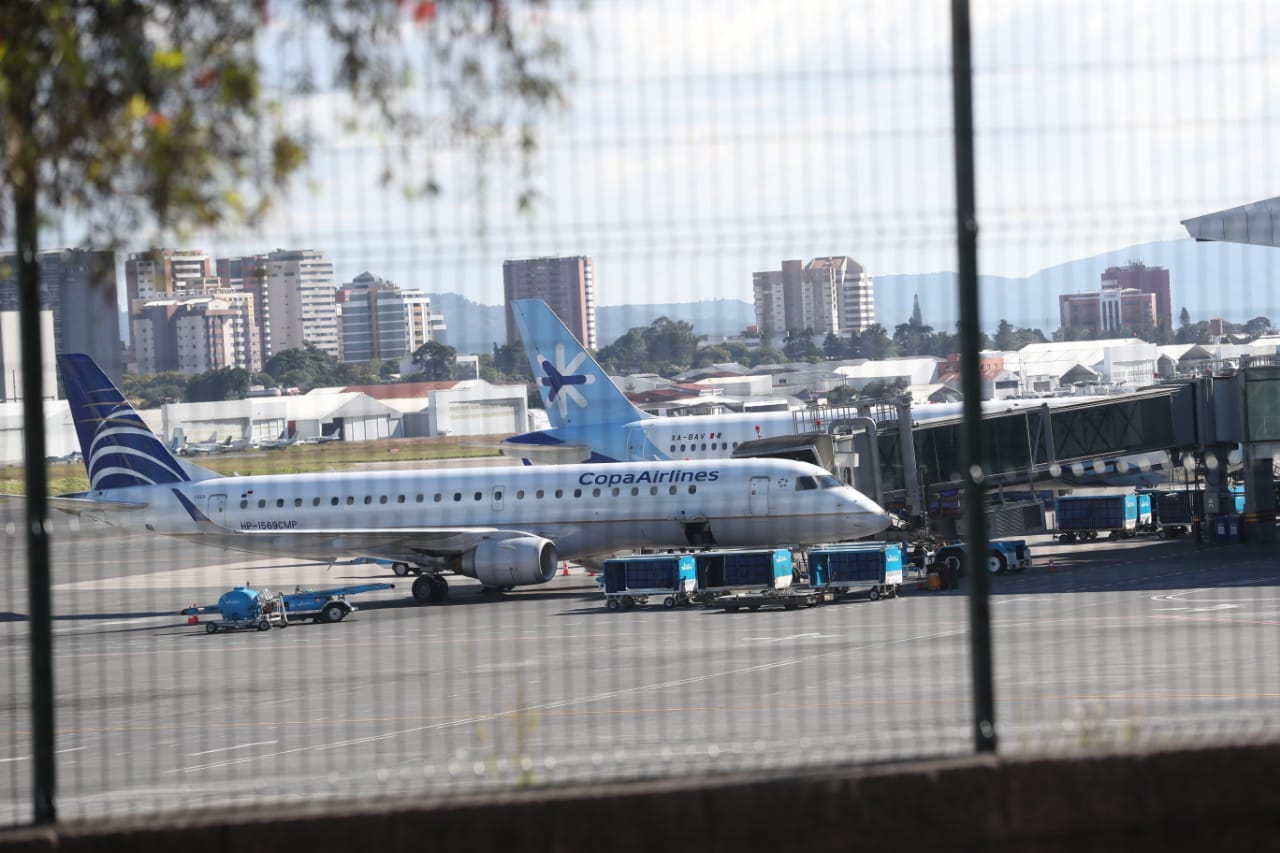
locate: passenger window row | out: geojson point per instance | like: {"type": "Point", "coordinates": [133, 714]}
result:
{"type": "Point", "coordinates": [690, 448]}
{"type": "Point", "coordinates": [456, 497]}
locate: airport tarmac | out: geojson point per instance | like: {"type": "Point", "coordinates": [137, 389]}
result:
{"type": "Point", "coordinates": [1122, 644]}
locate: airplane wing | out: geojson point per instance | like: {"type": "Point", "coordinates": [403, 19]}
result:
{"type": "Point", "coordinates": [399, 544]}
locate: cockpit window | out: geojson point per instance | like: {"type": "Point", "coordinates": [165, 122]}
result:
{"type": "Point", "coordinates": [823, 481]}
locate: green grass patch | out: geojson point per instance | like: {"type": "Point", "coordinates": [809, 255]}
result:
{"type": "Point", "coordinates": [297, 459]}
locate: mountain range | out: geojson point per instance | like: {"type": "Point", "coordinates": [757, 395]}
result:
{"type": "Point", "coordinates": [1228, 280]}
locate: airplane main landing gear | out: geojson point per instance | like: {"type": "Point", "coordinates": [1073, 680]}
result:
{"type": "Point", "coordinates": [429, 589]}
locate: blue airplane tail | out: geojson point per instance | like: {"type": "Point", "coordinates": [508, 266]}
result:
{"type": "Point", "coordinates": [575, 389]}
{"type": "Point", "coordinates": [119, 450]}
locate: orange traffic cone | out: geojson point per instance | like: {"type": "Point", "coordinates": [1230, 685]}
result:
{"type": "Point", "coordinates": [564, 568]}
{"type": "Point", "coordinates": [1051, 569]}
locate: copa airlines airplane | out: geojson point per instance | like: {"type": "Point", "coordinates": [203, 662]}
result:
{"type": "Point", "coordinates": [593, 421]}
{"type": "Point", "coordinates": [502, 526]}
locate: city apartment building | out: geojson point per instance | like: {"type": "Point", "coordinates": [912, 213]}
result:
{"type": "Point", "coordinates": [1110, 309]}
{"type": "Point", "coordinates": [299, 298]}
{"type": "Point", "coordinates": [827, 295]}
{"type": "Point", "coordinates": [1138, 276]}
{"type": "Point", "coordinates": [248, 274]}
{"type": "Point", "coordinates": [79, 289]}
{"type": "Point", "coordinates": [381, 321]}
{"type": "Point", "coordinates": [567, 285]}
{"type": "Point", "coordinates": [164, 273]}
{"type": "Point", "coordinates": [196, 334]}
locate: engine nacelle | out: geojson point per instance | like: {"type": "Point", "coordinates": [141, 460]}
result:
{"type": "Point", "coordinates": [511, 562]}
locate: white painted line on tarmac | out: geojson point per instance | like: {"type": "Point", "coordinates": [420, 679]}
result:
{"type": "Point", "coordinates": [28, 757]}
{"type": "Point", "coordinates": [792, 637]}
{"type": "Point", "coordinates": [230, 748]}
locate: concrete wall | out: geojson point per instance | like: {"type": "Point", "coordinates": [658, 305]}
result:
{"type": "Point", "coordinates": [1222, 798]}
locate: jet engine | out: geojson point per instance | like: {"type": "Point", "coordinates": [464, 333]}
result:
{"type": "Point", "coordinates": [511, 562]}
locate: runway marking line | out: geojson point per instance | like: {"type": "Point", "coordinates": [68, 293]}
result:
{"type": "Point", "coordinates": [231, 748]}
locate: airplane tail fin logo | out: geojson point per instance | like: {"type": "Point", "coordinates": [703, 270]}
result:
{"type": "Point", "coordinates": [561, 379]}
{"type": "Point", "coordinates": [119, 449]}
{"type": "Point", "coordinates": [569, 374]}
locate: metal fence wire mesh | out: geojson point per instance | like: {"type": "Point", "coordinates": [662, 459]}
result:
{"type": "Point", "coordinates": [702, 156]}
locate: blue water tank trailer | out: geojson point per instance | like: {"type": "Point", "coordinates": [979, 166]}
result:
{"type": "Point", "coordinates": [629, 581]}
{"type": "Point", "coordinates": [1084, 516]}
{"type": "Point", "coordinates": [872, 567]}
{"type": "Point", "coordinates": [239, 603]}
{"type": "Point", "coordinates": [726, 570]}
{"type": "Point", "coordinates": [245, 607]}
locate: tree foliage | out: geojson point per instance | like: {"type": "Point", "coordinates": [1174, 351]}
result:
{"type": "Point", "coordinates": [799, 346]}
{"type": "Point", "coordinates": [437, 362]}
{"type": "Point", "coordinates": [150, 391]}
{"type": "Point", "coordinates": [224, 383]}
{"type": "Point", "coordinates": [507, 364]}
{"type": "Point", "coordinates": [125, 113]}
{"type": "Point", "coordinates": [311, 367]}
{"type": "Point", "coordinates": [665, 347]}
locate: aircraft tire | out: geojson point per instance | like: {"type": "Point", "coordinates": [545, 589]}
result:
{"type": "Point", "coordinates": [423, 589]}
{"type": "Point", "coordinates": [439, 588]}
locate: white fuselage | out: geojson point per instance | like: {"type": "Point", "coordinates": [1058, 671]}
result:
{"type": "Point", "coordinates": [717, 436]}
{"type": "Point", "coordinates": [583, 509]}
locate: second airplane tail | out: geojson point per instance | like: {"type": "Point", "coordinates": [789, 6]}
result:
{"type": "Point", "coordinates": [575, 390]}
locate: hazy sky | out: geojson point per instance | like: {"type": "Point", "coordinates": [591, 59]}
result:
{"type": "Point", "coordinates": [703, 141]}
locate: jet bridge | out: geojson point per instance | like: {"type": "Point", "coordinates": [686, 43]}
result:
{"type": "Point", "coordinates": [1062, 443]}
{"type": "Point", "coordinates": [876, 447]}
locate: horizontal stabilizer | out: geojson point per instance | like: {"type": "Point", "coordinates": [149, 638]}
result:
{"type": "Point", "coordinates": [76, 505]}
{"type": "Point", "coordinates": [546, 454]}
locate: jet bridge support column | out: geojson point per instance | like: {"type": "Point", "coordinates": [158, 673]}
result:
{"type": "Point", "coordinates": [1216, 497]}
{"type": "Point", "coordinates": [1259, 492]}
{"type": "Point", "coordinates": [910, 468]}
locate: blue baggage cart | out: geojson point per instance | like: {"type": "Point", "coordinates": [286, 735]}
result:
{"type": "Point", "coordinates": [629, 581]}
{"type": "Point", "coordinates": [874, 568]}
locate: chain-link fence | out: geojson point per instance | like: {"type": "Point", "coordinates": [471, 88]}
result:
{"type": "Point", "coordinates": [778, 182]}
